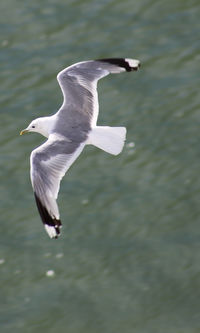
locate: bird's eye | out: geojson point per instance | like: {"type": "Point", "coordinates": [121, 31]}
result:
{"type": "Point", "coordinates": [33, 126]}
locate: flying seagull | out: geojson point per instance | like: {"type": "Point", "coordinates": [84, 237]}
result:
{"type": "Point", "coordinates": [69, 130]}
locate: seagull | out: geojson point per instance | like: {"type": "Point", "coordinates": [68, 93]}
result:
{"type": "Point", "coordinates": [68, 131]}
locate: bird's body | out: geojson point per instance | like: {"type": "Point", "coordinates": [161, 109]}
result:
{"type": "Point", "coordinates": [69, 130]}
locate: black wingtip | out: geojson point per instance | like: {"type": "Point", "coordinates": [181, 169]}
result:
{"type": "Point", "coordinates": [126, 63]}
{"type": "Point", "coordinates": [52, 225]}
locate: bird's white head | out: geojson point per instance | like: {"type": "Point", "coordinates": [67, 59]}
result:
{"type": "Point", "coordinates": [40, 125]}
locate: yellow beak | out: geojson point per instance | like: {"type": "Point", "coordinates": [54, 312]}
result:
{"type": "Point", "coordinates": [24, 132]}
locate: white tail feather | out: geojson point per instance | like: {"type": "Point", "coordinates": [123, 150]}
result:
{"type": "Point", "coordinates": [109, 139]}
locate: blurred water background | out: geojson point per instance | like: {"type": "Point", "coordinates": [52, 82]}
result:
{"type": "Point", "coordinates": [128, 259]}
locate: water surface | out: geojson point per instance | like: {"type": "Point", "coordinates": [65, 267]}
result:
{"type": "Point", "coordinates": [128, 259]}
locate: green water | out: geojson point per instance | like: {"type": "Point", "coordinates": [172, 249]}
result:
{"type": "Point", "coordinates": [128, 259]}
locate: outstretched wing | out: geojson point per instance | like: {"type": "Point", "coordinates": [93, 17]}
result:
{"type": "Point", "coordinates": [49, 163]}
{"type": "Point", "coordinates": [79, 86]}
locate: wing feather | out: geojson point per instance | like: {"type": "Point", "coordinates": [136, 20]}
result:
{"type": "Point", "coordinates": [79, 86]}
{"type": "Point", "coordinates": [49, 163]}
